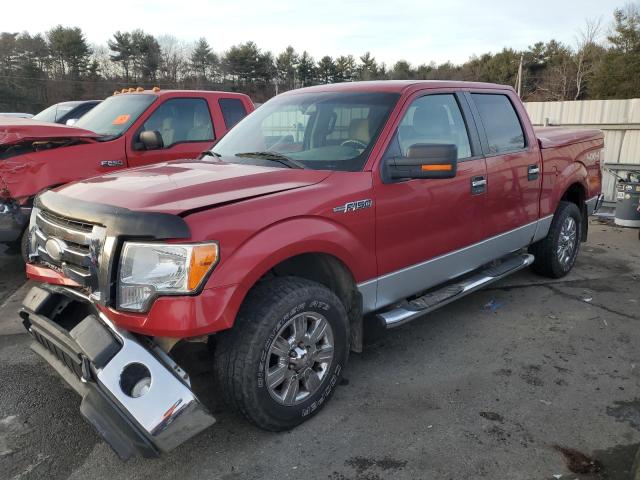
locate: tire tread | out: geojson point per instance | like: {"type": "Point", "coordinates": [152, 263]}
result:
{"type": "Point", "coordinates": [544, 250]}
{"type": "Point", "coordinates": [232, 362]}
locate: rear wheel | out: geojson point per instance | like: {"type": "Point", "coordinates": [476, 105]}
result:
{"type": "Point", "coordinates": [281, 361]}
{"type": "Point", "coordinates": [556, 254]}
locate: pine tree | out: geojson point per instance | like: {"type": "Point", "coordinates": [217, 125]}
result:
{"type": "Point", "coordinates": [203, 60]}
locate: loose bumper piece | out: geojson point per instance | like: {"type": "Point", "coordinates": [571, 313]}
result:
{"type": "Point", "coordinates": [133, 394]}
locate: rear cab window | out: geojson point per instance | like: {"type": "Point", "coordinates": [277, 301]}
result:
{"type": "Point", "coordinates": [233, 110]}
{"type": "Point", "coordinates": [502, 126]}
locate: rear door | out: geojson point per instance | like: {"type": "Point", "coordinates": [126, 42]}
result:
{"type": "Point", "coordinates": [424, 227]}
{"type": "Point", "coordinates": [185, 126]}
{"type": "Point", "coordinates": [513, 166]}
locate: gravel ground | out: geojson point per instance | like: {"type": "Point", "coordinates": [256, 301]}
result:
{"type": "Point", "coordinates": [529, 379]}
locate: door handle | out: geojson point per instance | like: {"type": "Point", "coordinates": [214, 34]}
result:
{"type": "Point", "coordinates": [478, 185]}
{"type": "Point", "coordinates": [533, 171]}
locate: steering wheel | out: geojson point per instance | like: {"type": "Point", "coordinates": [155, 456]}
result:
{"type": "Point", "coordinates": [357, 143]}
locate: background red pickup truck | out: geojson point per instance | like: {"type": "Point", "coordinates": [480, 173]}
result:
{"type": "Point", "coordinates": [35, 156]}
{"type": "Point", "coordinates": [384, 199]}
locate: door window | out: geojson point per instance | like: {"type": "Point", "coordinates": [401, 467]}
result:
{"type": "Point", "coordinates": [434, 119]}
{"type": "Point", "coordinates": [501, 123]}
{"type": "Point", "coordinates": [181, 120]}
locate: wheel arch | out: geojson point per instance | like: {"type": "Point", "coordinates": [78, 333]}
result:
{"type": "Point", "coordinates": [328, 270]}
{"type": "Point", "coordinates": [569, 185]}
{"type": "Point", "coordinates": [577, 193]}
{"type": "Point", "coordinates": [314, 249]}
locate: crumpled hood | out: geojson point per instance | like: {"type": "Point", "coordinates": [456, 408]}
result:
{"type": "Point", "coordinates": [183, 185]}
{"type": "Point", "coordinates": [19, 139]}
{"type": "Point", "coordinates": [15, 130]}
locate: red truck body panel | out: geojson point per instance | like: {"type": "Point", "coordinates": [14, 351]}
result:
{"type": "Point", "coordinates": [262, 216]}
{"type": "Point", "coordinates": [25, 175]}
{"type": "Point", "coordinates": [194, 185]}
{"type": "Point", "coordinates": [16, 129]}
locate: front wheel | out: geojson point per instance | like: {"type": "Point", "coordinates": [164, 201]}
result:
{"type": "Point", "coordinates": [281, 361]}
{"type": "Point", "coordinates": [20, 246]}
{"type": "Point", "coordinates": [556, 254]}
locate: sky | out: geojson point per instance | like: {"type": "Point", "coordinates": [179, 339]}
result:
{"type": "Point", "coordinates": [412, 30]}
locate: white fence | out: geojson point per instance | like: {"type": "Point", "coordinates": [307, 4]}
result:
{"type": "Point", "coordinates": [618, 119]}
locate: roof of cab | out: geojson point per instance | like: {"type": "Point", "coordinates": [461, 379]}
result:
{"type": "Point", "coordinates": [397, 86]}
{"type": "Point", "coordinates": [198, 93]}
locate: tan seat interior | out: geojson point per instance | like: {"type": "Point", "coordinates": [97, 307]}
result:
{"type": "Point", "coordinates": [359, 130]}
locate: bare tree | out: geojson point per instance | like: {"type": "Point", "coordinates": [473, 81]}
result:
{"type": "Point", "coordinates": [588, 51]}
{"type": "Point", "coordinates": [173, 59]}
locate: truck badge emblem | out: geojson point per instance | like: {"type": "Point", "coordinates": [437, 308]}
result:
{"type": "Point", "coordinates": [353, 206]}
{"type": "Point", "coordinates": [55, 248]}
{"type": "Point", "coordinates": [112, 163]}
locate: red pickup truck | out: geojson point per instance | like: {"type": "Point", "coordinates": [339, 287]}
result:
{"type": "Point", "coordinates": [329, 203]}
{"type": "Point", "coordinates": [35, 156]}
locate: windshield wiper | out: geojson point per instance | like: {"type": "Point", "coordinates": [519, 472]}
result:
{"type": "Point", "coordinates": [210, 153]}
{"type": "Point", "coordinates": [105, 138]}
{"type": "Point", "coordinates": [273, 156]}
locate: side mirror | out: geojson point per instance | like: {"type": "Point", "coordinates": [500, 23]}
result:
{"type": "Point", "coordinates": [151, 140]}
{"type": "Point", "coordinates": [71, 122]}
{"type": "Point", "coordinates": [425, 160]}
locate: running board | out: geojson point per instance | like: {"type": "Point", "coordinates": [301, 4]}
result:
{"type": "Point", "coordinates": [410, 310]}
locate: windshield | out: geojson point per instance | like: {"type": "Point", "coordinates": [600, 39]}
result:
{"type": "Point", "coordinates": [116, 114]}
{"type": "Point", "coordinates": [322, 131]}
{"type": "Point", "coordinates": [53, 113]}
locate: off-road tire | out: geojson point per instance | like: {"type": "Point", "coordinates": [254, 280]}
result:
{"type": "Point", "coordinates": [545, 251]}
{"type": "Point", "coordinates": [240, 352]}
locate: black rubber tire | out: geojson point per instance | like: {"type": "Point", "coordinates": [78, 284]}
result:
{"type": "Point", "coordinates": [546, 260]}
{"type": "Point", "coordinates": [635, 468]}
{"type": "Point", "coordinates": [239, 352]}
{"type": "Point", "coordinates": [24, 245]}
{"type": "Point", "coordinates": [20, 246]}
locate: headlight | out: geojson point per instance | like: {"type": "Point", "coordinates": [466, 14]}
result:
{"type": "Point", "coordinates": [151, 269]}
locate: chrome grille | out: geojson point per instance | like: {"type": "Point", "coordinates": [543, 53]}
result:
{"type": "Point", "coordinates": [68, 222]}
{"type": "Point", "coordinates": [68, 245]}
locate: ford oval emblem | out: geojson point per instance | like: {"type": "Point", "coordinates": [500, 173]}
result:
{"type": "Point", "coordinates": [55, 248]}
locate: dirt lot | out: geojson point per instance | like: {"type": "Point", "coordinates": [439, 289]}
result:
{"type": "Point", "coordinates": [526, 380]}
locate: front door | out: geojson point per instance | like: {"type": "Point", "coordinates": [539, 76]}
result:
{"type": "Point", "coordinates": [186, 130]}
{"type": "Point", "coordinates": [424, 228]}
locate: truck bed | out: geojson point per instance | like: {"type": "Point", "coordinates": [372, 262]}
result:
{"type": "Point", "coordinates": [554, 137]}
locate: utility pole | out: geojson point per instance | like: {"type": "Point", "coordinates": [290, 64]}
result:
{"type": "Point", "coordinates": [519, 77]}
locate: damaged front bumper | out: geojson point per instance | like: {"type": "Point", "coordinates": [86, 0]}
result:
{"type": "Point", "coordinates": [133, 394]}
{"type": "Point", "coordinates": [13, 220]}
